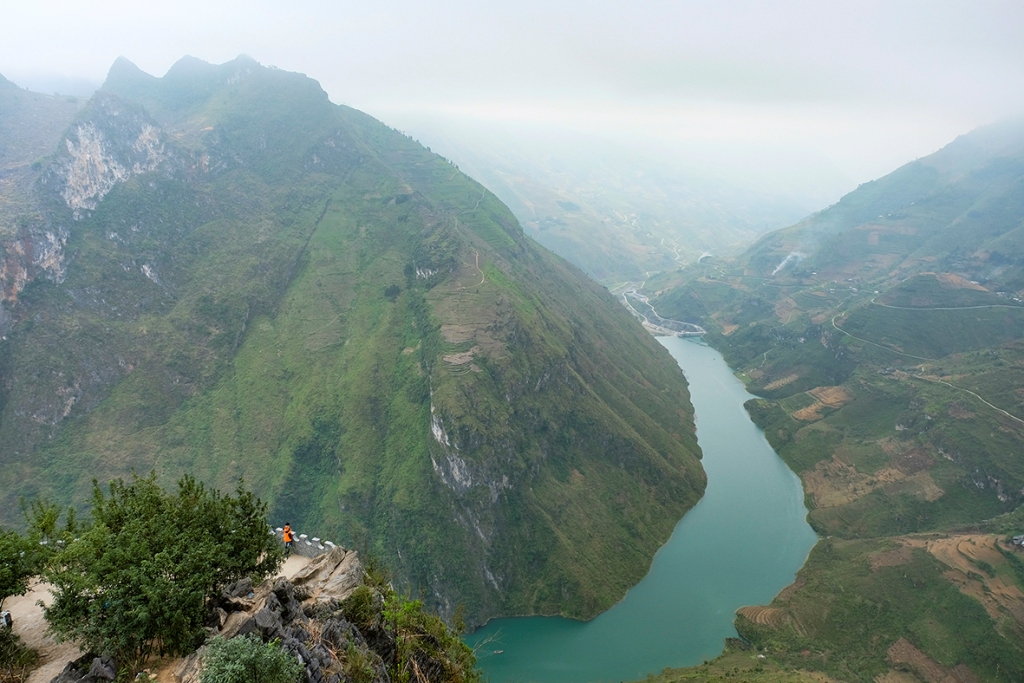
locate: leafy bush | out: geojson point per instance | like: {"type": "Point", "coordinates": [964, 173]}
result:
{"type": "Point", "coordinates": [362, 608]}
{"type": "Point", "coordinates": [248, 660]}
{"type": "Point", "coordinates": [141, 575]}
{"type": "Point", "coordinates": [16, 565]}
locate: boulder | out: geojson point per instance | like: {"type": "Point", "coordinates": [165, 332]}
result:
{"type": "Point", "coordinates": [333, 575]}
{"type": "Point", "coordinates": [238, 589]}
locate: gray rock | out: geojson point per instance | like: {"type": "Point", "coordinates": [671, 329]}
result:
{"type": "Point", "coordinates": [100, 669]}
{"type": "Point", "coordinates": [268, 622]}
{"type": "Point", "coordinates": [218, 617]}
{"type": "Point", "coordinates": [103, 668]}
{"type": "Point", "coordinates": [238, 589]}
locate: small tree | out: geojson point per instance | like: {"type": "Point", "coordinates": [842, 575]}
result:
{"type": "Point", "coordinates": [139, 578]}
{"type": "Point", "coordinates": [17, 564]}
{"type": "Point", "coordinates": [248, 660]}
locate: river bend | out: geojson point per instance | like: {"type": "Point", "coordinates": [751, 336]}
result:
{"type": "Point", "coordinates": [740, 545]}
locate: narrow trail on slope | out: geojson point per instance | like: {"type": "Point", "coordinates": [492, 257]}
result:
{"type": "Point", "coordinates": [933, 360]}
{"type": "Point", "coordinates": [885, 348]}
{"type": "Point", "coordinates": [944, 308]}
{"type": "Point", "coordinates": [968, 391]}
{"type": "Point", "coordinates": [476, 254]}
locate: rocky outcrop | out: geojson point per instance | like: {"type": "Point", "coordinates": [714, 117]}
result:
{"type": "Point", "coordinates": [331, 576]}
{"type": "Point", "coordinates": [37, 250]}
{"type": "Point", "coordinates": [88, 669]}
{"type": "Point", "coordinates": [111, 143]}
{"type": "Point", "coordinates": [305, 615]}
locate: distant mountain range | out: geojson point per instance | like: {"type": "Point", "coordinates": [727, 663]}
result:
{"type": "Point", "coordinates": [221, 272]}
{"type": "Point", "coordinates": [619, 211]}
{"type": "Point", "coordinates": [886, 337]}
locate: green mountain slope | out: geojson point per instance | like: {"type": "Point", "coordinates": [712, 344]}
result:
{"type": "Point", "coordinates": [249, 281]}
{"type": "Point", "coordinates": [885, 337]}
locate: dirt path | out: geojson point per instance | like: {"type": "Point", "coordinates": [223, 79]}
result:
{"type": "Point", "coordinates": [968, 391]}
{"type": "Point", "coordinates": [30, 625]}
{"type": "Point", "coordinates": [866, 341]}
{"type": "Point", "coordinates": [53, 657]}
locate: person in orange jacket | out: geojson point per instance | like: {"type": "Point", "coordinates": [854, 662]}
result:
{"type": "Point", "coordinates": [288, 535]}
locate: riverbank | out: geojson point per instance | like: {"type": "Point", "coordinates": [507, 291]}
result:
{"type": "Point", "coordinates": [740, 545]}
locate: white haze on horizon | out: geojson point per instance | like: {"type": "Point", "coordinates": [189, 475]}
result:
{"type": "Point", "coordinates": [862, 87]}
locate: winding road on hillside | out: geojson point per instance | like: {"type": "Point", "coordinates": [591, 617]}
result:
{"type": "Point", "coordinates": [933, 360]}
{"type": "Point", "coordinates": [944, 308]}
{"type": "Point", "coordinates": [867, 341]}
{"type": "Point", "coordinates": [660, 325]}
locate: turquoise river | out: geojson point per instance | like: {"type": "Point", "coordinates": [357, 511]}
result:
{"type": "Point", "coordinates": [740, 545]}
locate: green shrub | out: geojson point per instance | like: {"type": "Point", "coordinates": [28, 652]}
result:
{"type": "Point", "coordinates": [358, 665]}
{"type": "Point", "coordinates": [16, 566]}
{"type": "Point", "coordinates": [140, 577]}
{"type": "Point", "coordinates": [361, 607]}
{"type": "Point", "coordinates": [248, 660]}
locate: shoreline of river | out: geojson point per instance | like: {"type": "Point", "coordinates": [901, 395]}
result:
{"type": "Point", "coordinates": [740, 545]}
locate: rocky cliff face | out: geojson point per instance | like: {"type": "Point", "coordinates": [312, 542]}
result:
{"type": "Point", "coordinates": [31, 126]}
{"type": "Point", "coordinates": [113, 143]}
{"type": "Point", "coordinates": [109, 144]}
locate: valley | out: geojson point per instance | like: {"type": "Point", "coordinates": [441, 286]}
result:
{"type": "Point", "coordinates": [220, 272]}
{"type": "Point", "coordinates": [618, 210]}
{"type": "Point", "coordinates": [883, 338]}
{"type": "Point", "coordinates": [741, 544]}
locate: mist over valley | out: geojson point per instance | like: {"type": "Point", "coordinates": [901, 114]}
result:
{"type": "Point", "coordinates": [412, 275]}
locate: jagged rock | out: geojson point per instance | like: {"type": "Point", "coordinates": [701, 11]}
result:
{"type": "Point", "coordinates": [321, 654]}
{"type": "Point", "coordinates": [238, 589]}
{"type": "Point", "coordinates": [298, 633]}
{"type": "Point", "coordinates": [100, 669]}
{"type": "Point", "coordinates": [312, 629]}
{"type": "Point", "coordinates": [218, 617]}
{"type": "Point", "coordinates": [333, 575]}
{"type": "Point", "coordinates": [338, 633]}
{"type": "Point", "coordinates": [238, 624]}
{"type": "Point", "coordinates": [268, 622]}
{"type": "Point", "coordinates": [284, 600]}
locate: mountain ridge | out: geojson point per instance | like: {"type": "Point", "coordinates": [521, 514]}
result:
{"type": "Point", "coordinates": [244, 279]}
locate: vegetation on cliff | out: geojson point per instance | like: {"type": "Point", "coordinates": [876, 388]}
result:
{"type": "Point", "coordinates": [141, 576]}
{"type": "Point", "coordinates": [153, 575]}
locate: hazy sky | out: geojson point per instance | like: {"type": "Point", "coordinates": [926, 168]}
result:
{"type": "Point", "coordinates": [869, 84]}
